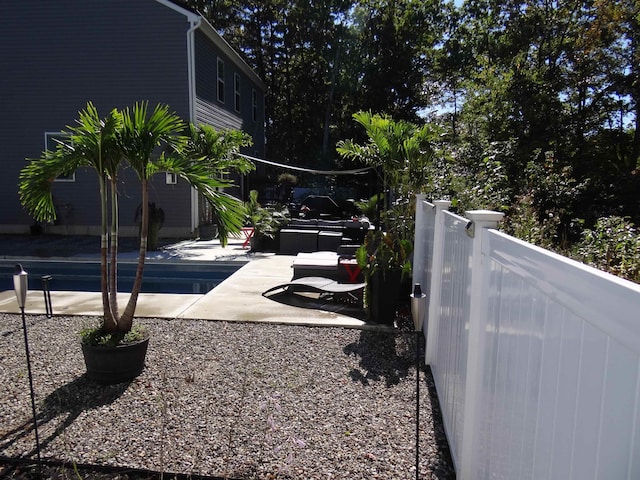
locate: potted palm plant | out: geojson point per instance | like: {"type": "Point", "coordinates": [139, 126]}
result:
{"type": "Point", "coordinates": [384, 258]}
{"type": "Point", "coordinates": [132, 137]}
{"type": "Point", "coordinates": [266, 223]}
{"type": "Point", "coordinates": [399, 152]}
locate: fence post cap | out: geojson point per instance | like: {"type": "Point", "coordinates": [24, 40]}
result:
{"type": "Point", "coordinates": [484, 215]}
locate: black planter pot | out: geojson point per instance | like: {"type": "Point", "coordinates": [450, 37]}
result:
{"type": "Point", "coordinates": [263, 243]}
{"type": "Point", "coordinates": [110, 365]}
{"type": "Point", "coordinates": [207, 231]}
{"type": "Point", "coordinates": [383, 289]}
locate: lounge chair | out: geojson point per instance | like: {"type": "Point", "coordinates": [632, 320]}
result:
{"type": "Point", "coordinates": [328, 289]}
{"type": "Point", "coordinates": [331, 265]}
{"type": "Point", "coordinates": [316, 264]}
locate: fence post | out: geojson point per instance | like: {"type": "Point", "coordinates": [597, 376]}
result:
{"type": "Point", "coordinates": [419, 243]}
{"type": "Point", "coordinates": [480, 220]}
{"type": "Point", "coordinates": [433, 314]}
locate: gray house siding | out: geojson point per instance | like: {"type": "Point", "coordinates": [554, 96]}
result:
{"type": "Point", "coordinates": [56, 56]}
{"type": "Point", "coordinates": [223, 114]}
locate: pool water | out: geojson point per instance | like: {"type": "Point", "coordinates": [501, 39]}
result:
{"type": "Point", "coordinates": [159, 277]}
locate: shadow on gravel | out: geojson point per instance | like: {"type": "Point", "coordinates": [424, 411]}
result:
{"type": "Point", "coordinates": [443, 469]}
{"type": "Point", "coordinates": [71, 399]}
{"type": "Point", "coordinates": [383, 357]}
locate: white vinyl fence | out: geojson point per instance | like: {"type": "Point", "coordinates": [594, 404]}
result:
{"type": "Point", "coordinates": [536, 358]}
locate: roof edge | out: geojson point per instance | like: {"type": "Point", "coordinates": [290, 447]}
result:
{"type": "Point", "coordinates": [191, 15]}
{"type": "Point", "coordinates": [217, 39]}
{"type": "Point", "coordinates": [235, 57]}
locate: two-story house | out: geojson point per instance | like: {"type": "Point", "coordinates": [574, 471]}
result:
{"type": "Point", "coordinates": [57, 55]}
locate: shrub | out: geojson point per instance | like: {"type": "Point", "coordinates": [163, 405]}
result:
{"type": "Point", "coordinates": [613, 246]}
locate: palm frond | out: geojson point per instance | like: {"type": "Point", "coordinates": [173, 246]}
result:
{"type": "Point", "coordinates": [228, 210]}
{"type": "Point", "coordinates": [218, 148]}
{"type": "Point", "coordinates": [34, 185]}
{"type": "Point", "coordinates": [141, 134]}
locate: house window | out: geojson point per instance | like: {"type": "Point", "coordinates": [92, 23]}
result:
{"type": "Point", "coordinates": [171, 178]}
{"type": "Point", "coordinates": [220, 80]}
{"type": "Point", "coordinates": [254, 105]}
{"type": "Point", "coordinates": [236, 92]}
{"type": "Point", "coordinates": [51, 141]}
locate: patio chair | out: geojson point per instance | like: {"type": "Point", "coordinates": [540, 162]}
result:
{"type": "Point", "coordinates": [327, 288]}
{"type": "Point", "coordinates": [331, 265]}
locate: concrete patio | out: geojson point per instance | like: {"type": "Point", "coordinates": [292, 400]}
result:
{"type": "Point", "coordinates": [238, 298]}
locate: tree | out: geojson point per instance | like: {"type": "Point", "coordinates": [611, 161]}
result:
{"type": "Point", "coordinates": [323, 61]}
{"type": "Point", "coordinates": [394, 37]}
{"type": "Point", "coordinates": [134, 136]}
{"type": "Point", "coordinates": [92, 142]}
{"type": "Point", "coordinates": [553, 76]}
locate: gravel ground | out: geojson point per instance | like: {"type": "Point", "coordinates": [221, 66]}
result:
{"type": "Point", "coordinates": [237, 400]}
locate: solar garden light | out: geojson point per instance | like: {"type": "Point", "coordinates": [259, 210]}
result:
{"type": "Point", "coordinates": [20, 285]}
{"type": "Point", "coordinates": [418, 304]}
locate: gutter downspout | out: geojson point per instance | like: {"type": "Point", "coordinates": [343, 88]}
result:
{"type": "Point", "coordinates": [191, 68]}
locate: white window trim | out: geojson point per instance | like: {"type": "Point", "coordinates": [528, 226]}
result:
{"type": "Point", "coordinates": [220, 79]}
{"type": "Point", "coordinates": [171, 178]}
{"type": "Point", "coordinates": [237, 99]}
{"type": "Point", "coordinates": [47, 136]}
{"type": "Point", "coordinates": [254, 105]}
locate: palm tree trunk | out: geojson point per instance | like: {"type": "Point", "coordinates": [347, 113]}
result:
{"type": "Point", "coordinates": [113, 243]}
{"type": "Point", "coordinates": [109, 322]}
{"type": "Point", "coordinates": [126, 320]}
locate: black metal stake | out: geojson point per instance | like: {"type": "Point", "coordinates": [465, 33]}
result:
{"type": "Point", "coordinates": [47, 295]}
{"type": "Point", "coordinates": [417, 404]}
{"type": "Point", "coordinates": [33, 399]}
{"type": "Point", "coordinates": [418, 303]}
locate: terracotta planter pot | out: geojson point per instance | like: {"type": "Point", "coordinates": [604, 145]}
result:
{"type": "Point", "coordinates": [110, 365]}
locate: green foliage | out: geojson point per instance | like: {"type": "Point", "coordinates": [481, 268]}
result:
{"type": "Point", "coordinates": [402, 154]}
{"type": "Point", "coordinates": [204, 158]}
{"type": "Point", "coordinates": [266, 222]}
{"type": "Point", "coordinates": [96, 336]}
{"type": "Point", "coordinates": [613, 245]}
{"type": "Point", "coordinates": [481, 179]}
{"type": "Point", "coordinates": [507, 80]}
{"type": "Point", "coordinates": [149, 142]}
{"type": "Point", "coordinates": [384, 251]}
{"type": "Point", "coordinates": [549, 197]}
{"type": "Point", "coordinates": [322, 61]}
{"type": "Point", "coordinates": [525, 222]}
{"type": "Point", "coordinates": [369, 207]}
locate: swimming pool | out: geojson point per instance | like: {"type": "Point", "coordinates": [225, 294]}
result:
{"type": "Point", "coordinates": [84, 276]}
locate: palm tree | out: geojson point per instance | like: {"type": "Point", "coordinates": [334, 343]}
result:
{"type": "Point", "coordinates": [205, 160]}
{"type": "Point", "coordinates": [91, 142]}
{"type": "Point", "coordinates": [139, 137]}
{"type": "Point", "coordinates": [149, 143]}
{"type": "Point", "coordinates": [399, 151]}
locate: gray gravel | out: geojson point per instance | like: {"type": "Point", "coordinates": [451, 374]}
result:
{"type": "Point", "coordinates": [241, 400]}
